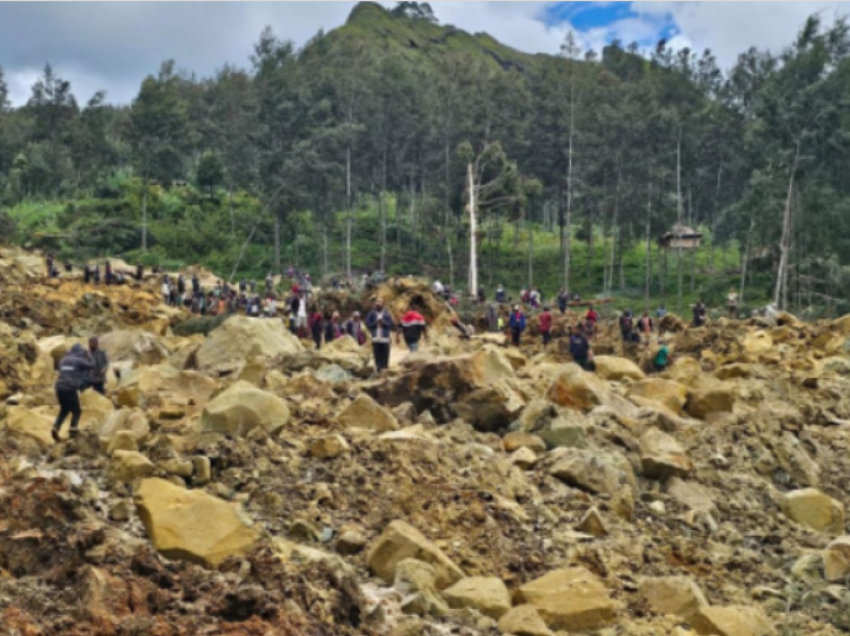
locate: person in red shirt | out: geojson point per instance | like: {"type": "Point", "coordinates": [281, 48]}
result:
{"type": "Point", "coordinates": [590, 319]}
{"type": "Point", "coordinates": [544, 324]}
{"type": "Point", "coordinates": [413, 328]}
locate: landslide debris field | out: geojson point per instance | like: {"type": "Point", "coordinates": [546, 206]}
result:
{"type": "Point", "coordinates": [242, 484]}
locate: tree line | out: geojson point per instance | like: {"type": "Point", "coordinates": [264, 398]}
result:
{"type": "Point", "coordinates": [607, 150]}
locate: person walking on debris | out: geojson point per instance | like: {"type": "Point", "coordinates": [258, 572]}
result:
{"type": "Point", "coordinates": [627, 326]}
{"type": "Point", "coordinates": [645, 326]}
{"type": "Point", "coordinates": [590, 320]}
{"type": "Point", "coordinates": [544, 325]}
{"type": "Point", "coordinates": [316, 327]}
{"type": "Point", "coordinates": [166, 291]}
{"type": "Point", "coordinates": [413, 328]}
{"type": "Point", "coordinates": [50, 269]}
{"type": "Point", "coordinates": [501, 297]}
{"type": "Point", "coordinates": [516, 325]}
{"type": "Point", "coordinates": [301, 315]}
{"type": "Point", "coordinates": [580, 348]}
{"type": "Point", "coordinates": [379, 322]}
{"type": "Point", "coordinates": [269, 283]}
{"type": "Point", "coordinates": [333, 330]}
{"type": "Point", "coordinates": [73, 372]}
{"type": "Point", "coordinates": [563, 301]}
{"type": "Point", "coordinates": [699, 314]}
{"type": "Point", "coordinates": [101, 365]}
{"type": "Point", "coordinates": [732, 303]}
{"type": "Point", "coordinates": [493, 319]}
{"type": "Point", "coordinates": [662, 358]}
{"type": "Point", "coordinates": [107, 271]}
{"type": "Point", "coordinates": [354, 328]}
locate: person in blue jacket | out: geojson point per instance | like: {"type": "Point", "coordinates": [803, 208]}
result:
{"type": "Point", "coordinates": [516, 324]}
{"type": "Point", "coordinates": [74, 370]}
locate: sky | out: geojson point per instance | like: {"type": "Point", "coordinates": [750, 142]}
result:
{"type": "Point", "coordinates": [112, 46]}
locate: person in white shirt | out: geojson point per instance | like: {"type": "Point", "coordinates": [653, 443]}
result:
{"type": "Point", "coordinates": [166, 292]}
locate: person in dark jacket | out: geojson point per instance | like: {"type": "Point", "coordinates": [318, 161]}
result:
{"type": "Point", "coordinates": [563, 300]}
{"type": "Point", "coordinates": [74, 369]}
{"type": "Point", "coordinates": [354, 328]}
{"type": "Point", "coordinates": [627, 326]}
{"type": "Point", "coordinates": [101, 366]}
{"type": "Point", "coordinates": [580, 348]}
{"type": "Point", "coordinates": [516, 324]}
{"type": "Point", "coordinates": [379, 322]}
{"type": "Point", "coordinates": [544, 325]}
{"type": "Point", "coordinates": [699, 314]}
{"type": "Point", "coordinates": [316, 327]}
{"type": "Point", "coordinates": [333, 330]}
{"type": "Point", "coordinates": [413, 328]}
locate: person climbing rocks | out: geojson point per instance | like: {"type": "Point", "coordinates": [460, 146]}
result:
{"type": "Point", "coordinates": [316, 327]}
{"type": "Point", "coordinates": [662, 358]}
{"type": "Point", "coordinates": [74, 369]}
{"type": "Point", "coordinates": [101, 366]}
{"type": "Point", "coordinates": [413, 328]}
{"type": "Point", "coordinates": [563, 301]}
{"type": "Point", "coordinates": [379, 322]}
{"type": "Point", "coordinates": [544, 325]}
{"type": "Point", "coordinates": [354, 328]}
{"type": "Point", "coordinates": [516, 324]}
{"type": "Point", "coordinates": [699, 314]}
{"type": "Point", "coordinates": [580, 348]}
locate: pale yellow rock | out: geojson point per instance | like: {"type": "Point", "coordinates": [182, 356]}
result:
{"type": "Point", "coordinates": [571, 599]}
{"type": "Point", "coordinates": [122, 441]}
{"type": "Point", "coordinates": [577, 389]}
{"type": "Point", "coordinates": [677, 595]}
{"type": "Point", "coordinates": [592, 471]}
{"type": "Point", "coordinates": [329, 446]}
{"type": "Point", "coordinates": [755, 343]}
{"type": "Point", "coordinates": [519, 439]}
{"type": "Point", "coordinates": [592, 523]}
{"type": "Point", "coordinates": [23, 423]}
{"type": "Point", "coordinates": [192, 525]}
{"type": "Point", "coordinates": [242, 408]}
{"type": "Point", "coordinates": [525, 458]}
{"type": "Point", "coordinates": [836, 560]}
{"type": "Point", "coordinates": [400, 541]}
{"type": "Point", "coordinates": [240, 338]}
{"type": "Point", "coordinates": [127, 466]}
{"type": "Point", "coordinates": [662, 457]}
{"type": "Point", "coordinates": [364, 412]}
{"type": "Point", "coordinates": [733, 620]}
{"type": "Point", "coordinates": [710, 397]}
{"type": "Point", "coordinates": [164, 381]}
{"type": "Point", "coordinates": [690, 494]}
{"type": "Point", "coordinates": [811, 507]}
{"type": "Point", "coordinates": [487, 594]}
{"type": "Point", "coordinates": [617, 369]}
{"type": "Point", "coordinates": [734, 371]}
{"type": "Point", "coordinates": [670, 394]}
{"type": "Point", "coordinates": [523, 620]}
{"type": "Point", "coordinates": [137, 345]}
{"type": "Point", "coordinates": [96, 409]}
{"type": "Point", "coordinates": [684, 370]}
{"type": "Point", "coordinates": [123, 420]}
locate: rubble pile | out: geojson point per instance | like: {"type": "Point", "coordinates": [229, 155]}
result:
{"type": "Point", "coordinates": [243, 484]}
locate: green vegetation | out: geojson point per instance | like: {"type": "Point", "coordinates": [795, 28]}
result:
{"type": "Point", "coordinates": [369, 148]}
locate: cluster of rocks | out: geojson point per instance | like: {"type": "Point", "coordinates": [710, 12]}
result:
{"type": "Point", "coordinates": [242, 484]}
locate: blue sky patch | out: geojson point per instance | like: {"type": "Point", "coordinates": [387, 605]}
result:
{"type": "Point", "coordinates": [586, 16]}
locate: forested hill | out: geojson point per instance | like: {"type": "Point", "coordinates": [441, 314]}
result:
{"type": "Point", "coordinates": [363, 151]}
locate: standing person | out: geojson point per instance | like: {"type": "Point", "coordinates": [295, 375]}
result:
{"type": "Point", "coordinates": [196, 284]}
{"type": "Point", "coordinates": [73, 371]}
{"type": "Point", "coordinates": [413, 328]}
{"type": "Point", "coordinates": [580, 348]}
{"type": "Point", "coordinates": [523, 296]}
{"type": "Point", "coordinates": [544, 324]}
{"type": "Point", "coordinates": [626, 325]}
{"type": "Point", "coordinates": [501, 296]}
{"type": "Point", "coordinates": [354, 328]}
{"type": "Point", "coordinates": [140, 272]}
{"type": "Point", "coordinates": [101, 365]}
{"type": "Point", "coordinates": [482, 296]}
{"type": "Point", "coordinates": [269, 283]}
{"type": "Point", "coordinates": [50, 269]}
{"type": "Point", "coordinates": [590, 319]}
{"type": "Point", "coordinates": [301, 315]}
{"type": "Point", "coordinates": [516, 324]}
{"type": "Point", "coordinates": [661, 311]}
{"type": "Point", "coordinates": [107, 270]}
{"type": "Point", "coordinates": [493, 318]}
{"type": "Point", "coordinates": [166, 291]}
{"type": "Point", "coordinates": [379, 322]}
{"type": "Point", "coordinates": [563, 301]}
{"type": "Point", "coordinates": [645, 326]}
{"type": "Point", "coordinates": [316, 327]}
{"type": "Point", "coordinates": [97, 274]}
{"type": "Point", "coordinates": [333, 330]}
{"type": "Point", "coordinates": [732, 303]}
{"type": "Point", "coordinates": [87, 274]}
{"type": "Point", "coordinates": [181, 284]}
{"type": "Point", "coordinates": [699, 314]}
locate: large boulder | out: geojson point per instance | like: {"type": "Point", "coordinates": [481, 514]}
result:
{"type": "Point", "coordinates": [96, 409]}
{"type": "Point", "coordinates": [523, 620]}
{"type": "Point", "coordinates": [240, 338]}
{"type": "Point", "coordinates": [810, 507]}
{"type": "Point", "coordinates": [123, 420]}
{"type": "Point", "coordinates": [754, 344]}
{"type": "Point", "coordinates": [166, 382]}
{"type": "Point", "coordinates": [192, 525]}
{"type": "Point", "coordinates": [836, 559]}
{"type": "Point", "coordinates": [127, 466]}
{"type": "Point", "coordinates": [487, 594]}
{"type": "Point", "coordinates": [676, 595]}
{"type": "Point", "coordinates": [571, 599]}
{"type": "Point", "coordinates": [400, 541]}
{"type": "Point", "coordinates": [614, 368]}
{"type": "Point", "coordinates": [577, 389]}
{"type": "Point", "coordinates": [661, 456]}
{"type": "Point", "coordinates": [492, 408]}
{"type": "Point", "coordinates": [25, 424]}
{"type": "Point", "coordinates": [733, 620]}
{"type": "Point", "coordinates": [364, 412]}
{"type": "Point", "coordinates": [710, 397]}
{"type": "Point", "coordinates": [135, 345]}
{"type": "Point", "coordinates": [242, 408]}
{"type": "Point", "coordinates": [593, 471]}
{"type": "Point", "coordinates": [668, 393]}
{"type": "Point", "coordinates": [439, 385]}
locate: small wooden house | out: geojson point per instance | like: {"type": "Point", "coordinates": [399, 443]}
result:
{"type": "Point", "coordinates": [681, 237]}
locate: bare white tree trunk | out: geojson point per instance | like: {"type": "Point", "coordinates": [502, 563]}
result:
{"type": "Point", "coordinates": [473, 231]}
{"type": "Point", "coordinates": [780, 295]}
